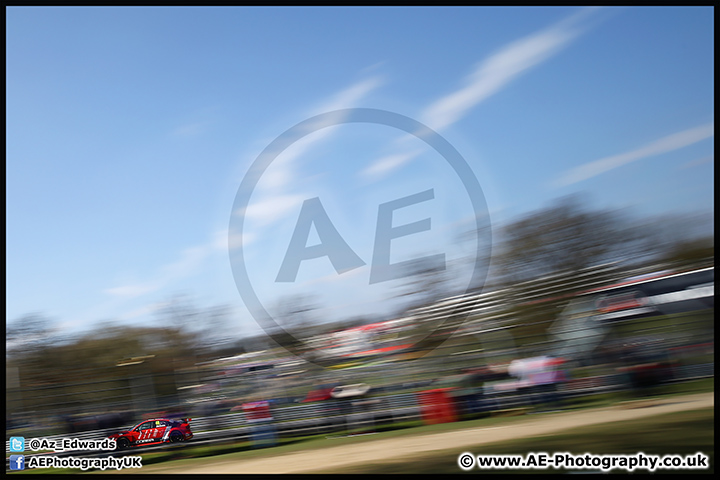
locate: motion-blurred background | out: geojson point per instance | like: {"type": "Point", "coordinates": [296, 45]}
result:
{"type": "Point", "coordinates": [129, 131]}
{"type": "Point", "coordinates": [619, 310]}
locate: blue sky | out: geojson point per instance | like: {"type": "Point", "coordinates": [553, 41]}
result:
{"type": "Point", "coordinates": [129, 131]}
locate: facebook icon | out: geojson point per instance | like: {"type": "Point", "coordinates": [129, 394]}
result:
{"type": "Point", "coordinates": [17, 462]}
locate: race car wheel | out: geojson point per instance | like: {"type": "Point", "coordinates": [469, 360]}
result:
{"type": "Point", "coordinates": [122, 443]}
{"type": "Point", "coordinates": [176, 437]}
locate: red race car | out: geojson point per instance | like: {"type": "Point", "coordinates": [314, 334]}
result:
{"type": "Point", "coordinates": [152, 432]}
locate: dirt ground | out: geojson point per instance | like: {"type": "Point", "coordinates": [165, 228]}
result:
{"type": "Point", "coordinates": [416, 446]}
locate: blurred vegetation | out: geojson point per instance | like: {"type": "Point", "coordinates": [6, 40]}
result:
{"type": "Point", "coordinates": [565, 237]}
{"type": "Point", "coordinates": [540, 252]}
{"type": "Point", "coordinates": [113, 367]}
{"type": "Point", "coordinates": [569, 236]}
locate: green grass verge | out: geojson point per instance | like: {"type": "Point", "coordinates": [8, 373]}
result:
{"type": "Point", "coordinates": [684, 433]}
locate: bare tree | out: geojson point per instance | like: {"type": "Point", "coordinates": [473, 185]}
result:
{"type": "Point", "coordinates": [565, 237]}
{"type": "Point", "coordinates": [208, 326]}
{"type": "Point", "coordinates": [426, 282]}
{"type": "Point", "coordinates": [28, 332]}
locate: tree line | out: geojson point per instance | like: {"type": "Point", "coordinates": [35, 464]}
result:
{"type": "Point", "coordinates": [566, 236]}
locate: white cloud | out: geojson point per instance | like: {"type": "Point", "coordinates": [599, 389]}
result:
{"type": "Point", "coordinates": [352, 94]}
{"type": "Point", "coordinates": [698, 162]}
{"type": "Point", "coordinates": [501, 68]}
{"type": "Point", "coordinates": [282, 167]}
{"type": "Point", "coordinates": [663, 145]}
{"type": "Point", "coordinates": [271, 208]}
{"type": "Point", "coordinates": [274, 202]}
{"type": "Point", "coordinates": [148, 309]}
{"type": "Point", "coordinates": [224, 240]}
{"type": "Point", "coordinates": [189, 262]}
{"type": "Point", "coordinates": [189, 130]}
{"type": "Point", "coordinates": [132, 291]}
{"type": "Point", "coordinates": [190, 259]}
{"type": "Point", "coordinates": [273, 194]}
{"type": "Point", "coordinates": [490, 76]}
{"type": "Point", "coordinates": [236, 240]}
{"type": "Point", "coordinates": [389, 162]}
